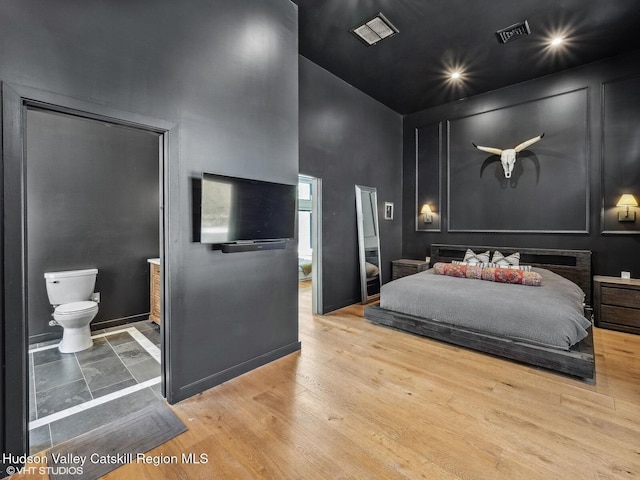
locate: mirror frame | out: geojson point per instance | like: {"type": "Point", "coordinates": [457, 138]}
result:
{"type": "Point", "coordinates": [360, 189]}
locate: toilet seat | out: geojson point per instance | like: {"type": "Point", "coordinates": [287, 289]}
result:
{"type": "Point", "coordinates": [74, 308]}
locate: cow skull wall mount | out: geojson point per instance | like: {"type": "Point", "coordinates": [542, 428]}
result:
{"type": "Point", "coordinates": [508, 156]}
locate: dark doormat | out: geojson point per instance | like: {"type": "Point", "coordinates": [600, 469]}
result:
{"type": "Point", "coordinates": [104, 449]}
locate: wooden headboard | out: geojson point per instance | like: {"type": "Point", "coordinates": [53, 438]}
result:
{"type": "Point", "coordinates": [574, 265]}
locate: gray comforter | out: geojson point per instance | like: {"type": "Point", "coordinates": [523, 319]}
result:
{"type": "Point", "coordinates": [550, 315]}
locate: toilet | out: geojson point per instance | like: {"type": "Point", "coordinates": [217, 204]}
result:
{"type": "Point", "coordinates": [71, 293]}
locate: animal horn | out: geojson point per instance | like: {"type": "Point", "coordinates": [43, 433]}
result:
{"type": "Point", "coordinates": [495, 151]}
{"type": "Point", "coordinates": [528, 143]}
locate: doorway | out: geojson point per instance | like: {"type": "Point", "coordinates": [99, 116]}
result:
{"type": "Point", "coordinates": [92, 196]}
{"type": "Point", "coordinates": [310, 238]}
{"type": "Point", "coordinates": [17, 102]}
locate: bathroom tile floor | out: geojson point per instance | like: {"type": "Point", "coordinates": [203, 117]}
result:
{"type": "Point", "coordinates": [72, 393]}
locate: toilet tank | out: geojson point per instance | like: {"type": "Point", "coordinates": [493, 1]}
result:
{"type": "Point", "coordinates": [70, 286]}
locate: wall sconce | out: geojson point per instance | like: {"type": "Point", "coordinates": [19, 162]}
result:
{"type": "Point", "coordinates": [627, 200]}
{"type": "Point", "coordinates": [427, 214]}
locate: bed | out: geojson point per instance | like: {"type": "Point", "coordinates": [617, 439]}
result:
{"type": "Point", "coordinates": [469, 327]}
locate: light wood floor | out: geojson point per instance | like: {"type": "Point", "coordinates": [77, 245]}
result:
{"type": "Point", "coordinates": [363, 401]}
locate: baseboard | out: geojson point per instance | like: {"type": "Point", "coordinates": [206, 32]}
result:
{"type": "Point", "coordinates": [235, 371]}
{"type": "Point", "coordinates": [57, 335]}
{"type": "Point", "coordinates": [44, 337]}
{"type": "Point", "coordinates": [115, 322]}
{"type": "Point", "coordinates": [338, 306]}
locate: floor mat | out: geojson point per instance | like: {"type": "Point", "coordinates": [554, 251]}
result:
{"type": "Point", "coordinates": [104, 449]}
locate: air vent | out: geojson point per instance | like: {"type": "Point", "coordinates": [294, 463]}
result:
{"type": "Point", "coordinates": [373, 30]}
{"type": "Point", "coordinates": [513, 32]}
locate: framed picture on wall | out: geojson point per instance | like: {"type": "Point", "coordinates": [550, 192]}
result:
{"type": "Point", "coordinates": [388, 210]}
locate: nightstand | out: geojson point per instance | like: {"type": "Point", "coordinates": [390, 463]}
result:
{"type": "Point", "coordinates": [617, 303]}
{"type": "Point", "coordinates": [403, 267]}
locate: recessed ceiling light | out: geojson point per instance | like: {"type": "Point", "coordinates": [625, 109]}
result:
{"type": "Point", "coordinates": [455, 75]}
{"type": "Point", "coordinates": [556, 41]}
{"type": "Point", "coordinates": [373, 30]}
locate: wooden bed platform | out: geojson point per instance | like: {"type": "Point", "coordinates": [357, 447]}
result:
{"type": "Point", "coordinates": [574, 265]}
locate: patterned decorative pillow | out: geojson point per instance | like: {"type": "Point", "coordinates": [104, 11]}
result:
{"type": "Point", "coordinates": [511, 275]}
{"type": "Point", "coordinates": [483, 264]}
{"type": "Point", "coordinates": [458, 270]}
{"type": "Point", "coordinates": [492, 274]}
{"type": "Point", "coordinates": [472, 258]}
{"type": "Point", "coordinates": [499, 259]}
{"type": "Point", "coordinates": [526, 268]}
{"type": "Point", "coordinates": [458, 262]}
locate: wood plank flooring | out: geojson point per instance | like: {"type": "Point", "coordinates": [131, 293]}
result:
{"type": "Point", "coordinates": [364, 401]}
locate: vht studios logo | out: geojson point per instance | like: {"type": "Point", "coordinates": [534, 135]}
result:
{"type": "Point", "coordinates": [195, 459]}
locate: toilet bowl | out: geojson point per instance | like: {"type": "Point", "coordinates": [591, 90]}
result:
{"type": "Point", "coordinates": [70, 293]}
{"type": "Point", "coordinates": [75, 318]}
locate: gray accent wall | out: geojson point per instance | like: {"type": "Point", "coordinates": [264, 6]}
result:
{"type": "Point", "coordinates": [564, 188]}
{"type": "Point", "coordinates": [620, 142]}
{"type": "Point", "coordinates": [92, 202]}
{"type": "Point", "coordinates": [226, 73]}
{"type": "Point", "coordinates": [348, 139]}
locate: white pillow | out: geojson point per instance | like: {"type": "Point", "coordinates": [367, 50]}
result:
{"type": "Point", "coordinates": [472, 258]}
{"type": "Point", "coordinates": [500, 260]}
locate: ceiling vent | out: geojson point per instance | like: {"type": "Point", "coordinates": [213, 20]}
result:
{"type": "Point", "coordinates": [513, 32]}
{"type": "Point", "coordinates": [373, 30]}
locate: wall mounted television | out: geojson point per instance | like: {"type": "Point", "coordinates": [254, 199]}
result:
{"type": "Point", "coordinates": [243, 210]}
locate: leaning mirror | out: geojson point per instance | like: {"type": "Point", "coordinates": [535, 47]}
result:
{"type": "Point", "coordinates": [368, 242]}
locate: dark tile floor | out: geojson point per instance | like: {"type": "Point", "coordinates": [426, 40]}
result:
{"type": "Point", "coordinates": [59, 382]}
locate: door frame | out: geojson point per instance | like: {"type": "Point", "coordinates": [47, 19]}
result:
{"type": "Point", "coordinates": [316, 243]}
{"type": "Point", "coordinates": [13, 255]}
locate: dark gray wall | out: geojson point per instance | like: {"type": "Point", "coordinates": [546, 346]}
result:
{"type": "Point", "coordinates": [347, 138]}
{"type": "Point", "coordinates": [549, 173]}
{"type": "Point", "coordinates": [620, 141]}
{"type": "Point", "coordinates": [226, 73]}
{"type": "Point", "coordinates": [92, 202]}
{"type": "Point", "coordinates": [601, 166]}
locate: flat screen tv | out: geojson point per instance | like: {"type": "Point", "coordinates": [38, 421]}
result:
{"type": "Point", "coordinates": [240, 210]}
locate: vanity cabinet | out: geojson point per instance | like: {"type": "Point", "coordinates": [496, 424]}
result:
{"type": "Point", "coordinates": [154, 290]}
